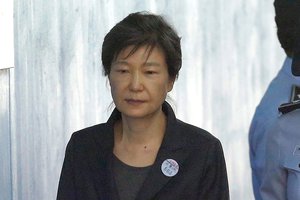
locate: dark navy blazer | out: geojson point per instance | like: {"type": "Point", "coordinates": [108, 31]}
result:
{"type": "Point", "coordinates": [87, 171]}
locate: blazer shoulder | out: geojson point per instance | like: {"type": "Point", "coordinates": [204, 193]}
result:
{"type": "Point", "coordinates": [102, 133]}
{"type": "Point", "coordinates": [196, 135]}
{"type": "Point", "coordinates": [95, 129]}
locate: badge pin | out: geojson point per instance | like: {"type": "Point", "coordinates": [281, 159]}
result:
{"type": "Point", "coordinates": [169, 167]}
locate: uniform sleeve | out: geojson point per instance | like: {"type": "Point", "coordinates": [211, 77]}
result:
{"type": "Point", "coordinates": [66, 187]}
{"type": "Point", "coordinates": [254, 131]}
{"type": "Point", "coordinates": [215, 184]}
{"type": "Point", "coordinates": [257, 148]}
{"type": "Point", "coordinates": [254, 128]}
{"type": "Point", "coordinates": [274, 179]}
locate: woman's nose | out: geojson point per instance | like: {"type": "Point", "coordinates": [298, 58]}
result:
{"type": "Point", "coordinates": [136, 82]}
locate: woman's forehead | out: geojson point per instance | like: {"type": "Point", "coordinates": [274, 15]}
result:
{"type": "Point", "coordinates": [143, 50]}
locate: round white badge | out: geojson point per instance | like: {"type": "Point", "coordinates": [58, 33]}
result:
{"type": "Point", "coordinates": [169, 167]}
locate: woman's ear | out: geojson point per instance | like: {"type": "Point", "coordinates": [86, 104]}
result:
{"type": "Point", "coordinates": [108, 82]}
{"type": "Point", "coordinates": [108, 79]}
{"type": "Point", "coordinates": [170, 84]}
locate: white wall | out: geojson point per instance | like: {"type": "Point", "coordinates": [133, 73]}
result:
{"type": "Point", "coordinates": [6, 64]}
{"type": "Point", "coordinates": [230, 54]}
{"type": "Point", "coordinates": [7, 34]}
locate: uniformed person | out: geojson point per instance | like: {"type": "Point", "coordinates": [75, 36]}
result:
{"type": "Point", "coordinates": [278, 92]}
{"type": "Point", "coordinates": [281, 179]}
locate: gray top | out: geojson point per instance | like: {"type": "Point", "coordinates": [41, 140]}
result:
{"type": "Point", "coordinates": [128, 179]}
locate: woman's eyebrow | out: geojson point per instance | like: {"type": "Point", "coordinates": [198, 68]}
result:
{"type": "Point", "coordinates": [120, 62]}
{"type": "Point", "coordinates": [152, 64]}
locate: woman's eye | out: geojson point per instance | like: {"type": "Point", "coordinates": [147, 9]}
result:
{"type": "Point", "coordinates": [122, 71]}
{"type": "Point", "coordinates": [151, 72]}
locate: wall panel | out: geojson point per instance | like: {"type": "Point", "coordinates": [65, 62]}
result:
{"type": "Point", "coordinates": [5, 142]}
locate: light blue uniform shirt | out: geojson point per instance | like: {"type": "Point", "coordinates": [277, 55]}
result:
{"type": "Point", "coordinates": [281, 178]}
{"type": "Point", "coordinates": [278, 92]}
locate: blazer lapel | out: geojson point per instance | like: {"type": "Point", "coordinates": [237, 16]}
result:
{"type": "Point", "coordinates": [100, 160]}
{"type": "Point", "coordinates": [156, 179]}
{"type": "Point", "coordinates": [99, 163]}
{"type": "Point", "coordinates": [172, 147]}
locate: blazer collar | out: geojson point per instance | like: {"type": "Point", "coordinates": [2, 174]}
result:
{"type": "Point", "coordinates": [173, 137]}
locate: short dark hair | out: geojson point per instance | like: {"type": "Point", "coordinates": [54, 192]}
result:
{"type": "Point", "coordinates": [139, 29]}
{"type": "Point", "coordinates": [287, 18]}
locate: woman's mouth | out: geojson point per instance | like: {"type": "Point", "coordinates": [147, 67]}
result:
{"type": "Point", "coordinates": [134, 101]}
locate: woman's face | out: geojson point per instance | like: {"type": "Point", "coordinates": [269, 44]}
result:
{"type": "Point", "coordinates": [139, 83]}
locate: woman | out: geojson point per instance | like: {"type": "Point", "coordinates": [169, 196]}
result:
{"type": "Point", "coordinates": [142, 151]}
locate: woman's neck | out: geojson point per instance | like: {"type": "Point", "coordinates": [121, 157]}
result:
{"type": "Point", "coordinates": [142, 130]}
{"type": "Point", "coordinates": [137, 141]}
